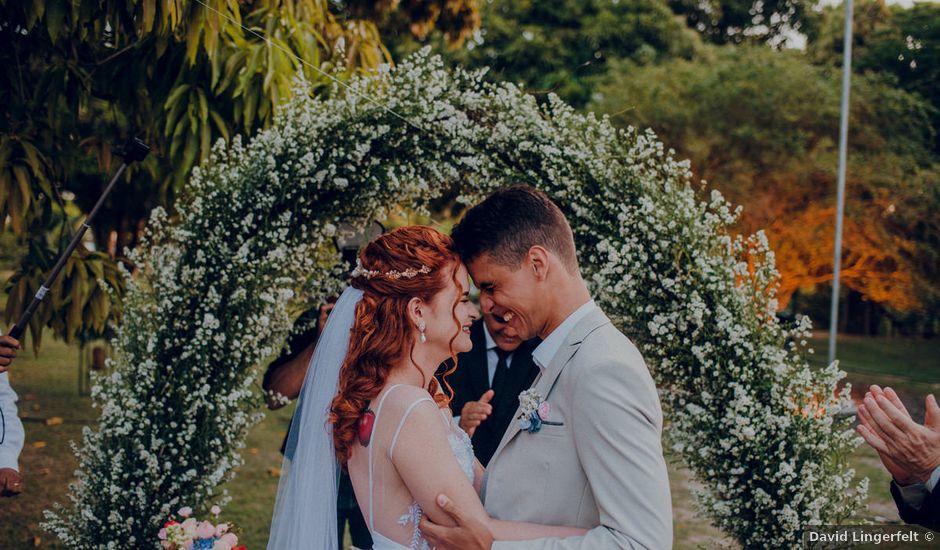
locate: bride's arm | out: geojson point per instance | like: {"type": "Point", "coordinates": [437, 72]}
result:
{"type": "Point", "coordinates": [427, 466]}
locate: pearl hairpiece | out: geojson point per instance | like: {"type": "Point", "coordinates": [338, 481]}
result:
{"type": "Point", "coordinates": [394, 274]}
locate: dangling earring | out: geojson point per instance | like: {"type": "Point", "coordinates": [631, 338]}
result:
{"type": "Point", "coordinates": [422, 337]}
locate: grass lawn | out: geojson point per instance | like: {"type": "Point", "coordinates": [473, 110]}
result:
{"type": "Point", "coordinates": [47, 386]}
{"type": "Point", "coordinates": [911, 363]}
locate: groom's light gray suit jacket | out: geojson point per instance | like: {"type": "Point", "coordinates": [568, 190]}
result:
{"type": "Point", "coordinates": [603, 469]}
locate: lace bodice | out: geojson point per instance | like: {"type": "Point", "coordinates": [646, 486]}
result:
{"type": "Point", "coordinates": [463, 451]}
{"type": "Point", "coordinates": [463, 448]}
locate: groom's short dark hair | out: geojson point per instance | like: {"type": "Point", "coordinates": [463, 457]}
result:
{"type": "Point", "coordinates": [510, 222]}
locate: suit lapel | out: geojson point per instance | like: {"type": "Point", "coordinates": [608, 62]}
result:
{"type": "Point", "coordinates": [546, 380]}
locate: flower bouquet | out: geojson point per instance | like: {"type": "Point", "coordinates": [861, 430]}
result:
{"type": "Point", "coordinates": [192, 534]}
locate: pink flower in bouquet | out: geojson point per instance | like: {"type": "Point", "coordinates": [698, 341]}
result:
{"type": "Point", "coordinates": [545, 410]}
{"type": "Point", "coordinates": [185, 512]}
{"type": "Point", "coordinates": [205, 530]}
{"type": "Point", "coordinates": [195, 534]}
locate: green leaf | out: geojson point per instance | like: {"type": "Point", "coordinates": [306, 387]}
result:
{"type": "Point", "coordinates": [175, 95]}
{"type": "Point", "coordinates": [205, 141]}
{"type": "Point", "coordinates": [5, 189]}
{"type": "Point", "coordinates": [232, 66]}
{"type": "Point", "coordinates": [96, 268]}
{"type": "Point", "coordinates": [189, 153]}
{"type": "Point", "coordinates": [176, 104]}
{"type": "Point", "coordinates": [191, 114]}
{"type": "Point", "coordinates": [32, 157]}
{"type": "Point", "coordinates": [34, 12]}
{"type": "Point", "coordinates": [149, 9]}
{"type": "Point", "coordinates": [203, 106]}
{"type": "Point", "coordinates": [192, 39]}
{"type": "Point", "coordinates": [250, 107]}
{"type": "Point", "coordinates": [6, 150]}
{"type": "Point", "coordinates": [215, 66]}
{"type": "Point", "coordinates": [56, 12]}
{"type": "Point", "coordinates": [220, 124]}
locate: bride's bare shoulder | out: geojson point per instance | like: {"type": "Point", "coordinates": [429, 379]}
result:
{"type": "Point", "coordinates": [399, 398]}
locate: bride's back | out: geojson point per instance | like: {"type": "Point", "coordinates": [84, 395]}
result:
{"type": "Point", "coordinates": [387, 504]}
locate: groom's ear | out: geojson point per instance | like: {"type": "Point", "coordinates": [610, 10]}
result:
{"type": "Point", "coordinates": [538, 262]}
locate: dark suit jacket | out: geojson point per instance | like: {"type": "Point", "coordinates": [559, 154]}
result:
{"type": "Point", "coordinates": [471, 380]}
{"type": "Point", "coordinates": [929, 513]}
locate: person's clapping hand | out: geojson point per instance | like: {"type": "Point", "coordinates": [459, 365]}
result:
{"type": "Point", "coordinates": [909, 451]}
{"type": "Point", "coordinates": [474, 413]}
{"type": "Point", "coordinates": [11, 484]}
{"type": "Point", "coordinates": [8, 347]}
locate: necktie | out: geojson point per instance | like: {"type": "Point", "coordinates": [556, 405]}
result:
{"type": "Point", "coordinates": [499, 377]}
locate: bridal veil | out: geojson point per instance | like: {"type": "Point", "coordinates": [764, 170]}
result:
{"type": "Point", "coordinates": [305, 510]}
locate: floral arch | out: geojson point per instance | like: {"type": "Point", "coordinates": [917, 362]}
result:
{"type": "Point", "coordinates": [216, 283]}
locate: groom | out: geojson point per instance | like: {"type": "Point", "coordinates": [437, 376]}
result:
{"type": "Point", "coordinates": [597, 461]}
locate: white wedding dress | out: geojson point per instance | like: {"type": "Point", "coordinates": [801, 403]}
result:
{"type": "Point", "coordinates": [463, 451]}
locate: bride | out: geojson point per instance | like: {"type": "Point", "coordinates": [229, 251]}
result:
{"type": "Point", "coordinates": [370, 402]}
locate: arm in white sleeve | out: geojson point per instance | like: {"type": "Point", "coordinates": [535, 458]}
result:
{"type": "Point", "coordinates": [934, 478]}
{"type": "Point", "coordinates": [11, 429]}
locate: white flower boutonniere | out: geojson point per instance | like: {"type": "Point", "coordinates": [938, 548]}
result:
{"type": "Point", "coordinates": [534, 412]}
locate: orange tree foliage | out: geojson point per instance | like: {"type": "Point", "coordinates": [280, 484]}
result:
{"type": "Point", "coordinates": [761, 126]}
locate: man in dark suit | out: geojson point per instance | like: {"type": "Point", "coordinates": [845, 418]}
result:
{"type": "Point", "coordinates": [488, 381]}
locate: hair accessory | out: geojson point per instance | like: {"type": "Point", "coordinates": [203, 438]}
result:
{"type": "Point", "coordinates": [394, 274]}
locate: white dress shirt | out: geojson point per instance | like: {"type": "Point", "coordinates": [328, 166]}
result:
{"type": "Point", "coordinates": [915, 494]}
{"type": "Point", "coordinates": [11, 429]}
{"type": "Point", "coordinates": [546, 351]}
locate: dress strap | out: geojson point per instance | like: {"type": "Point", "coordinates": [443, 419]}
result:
{"type": "Point", "coordinates": [375, 423]}
{"type": "Point", "coordinates": [401, 423]}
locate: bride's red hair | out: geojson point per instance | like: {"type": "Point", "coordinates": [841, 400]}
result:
{"type": "Point", "coordinates": [382, 333]}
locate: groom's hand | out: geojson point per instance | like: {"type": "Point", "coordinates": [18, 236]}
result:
{"type": "Point", "coordinates": [469, 534]}
{"type": "Point", "coordinates": [475, 412]}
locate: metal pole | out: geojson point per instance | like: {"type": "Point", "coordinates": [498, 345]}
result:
{"type": "Point", "coordinates": [134, 150]}
{"type": "Point", "coordinates": [840, 192]}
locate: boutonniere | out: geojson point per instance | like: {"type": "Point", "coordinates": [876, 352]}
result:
{"type": "Point", "coordinates": [534, 412]}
